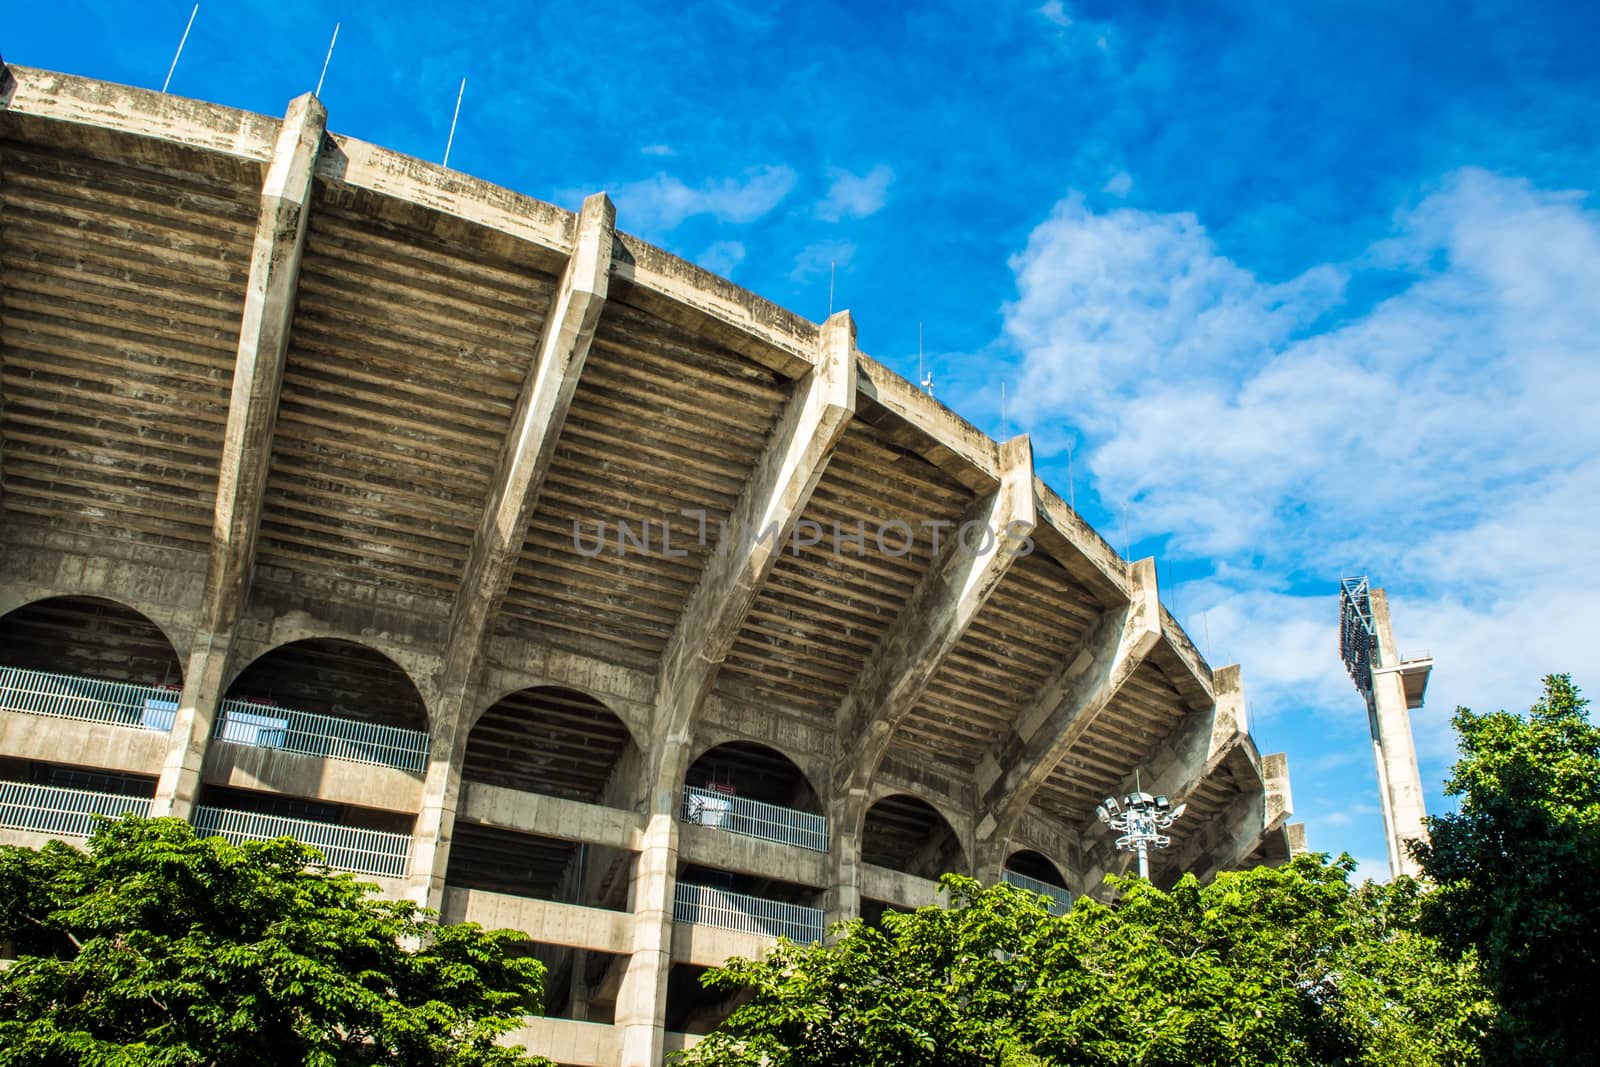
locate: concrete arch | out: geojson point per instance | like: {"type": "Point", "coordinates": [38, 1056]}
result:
{"type": "Point", "coordinates": [1036, 865]}
{"type": "Point", "coordinates": [553, 741]}
{"type": "Point", "coordinates": [757, 771]}
{"type": "Point", "coordinates": [905, 833]}
{"type": "Point", "coordinates": [330, 676]}
{"type": "Point", "coordinates": [121, 643]}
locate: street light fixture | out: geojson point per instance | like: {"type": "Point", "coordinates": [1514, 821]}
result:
{"type": "Point", "coordinates": [1140, 818]}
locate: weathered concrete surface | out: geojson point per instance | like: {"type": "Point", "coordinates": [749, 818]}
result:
{"type": "Point", "coordinates": [707, 946]}
{"type": "Point", "coordinates": [247, 447]}
{"type": "Point", "coordinates": [332, 780]}
{"type": "Point", "coordinates": [1399, 779]}
{"type": "Point", "coordinates": [904, 891]}
{"type": "Point", "coordinates": [87, 744]}
{"type": "Point", "coordinates": [707, 846]}
{"type": "Point", "coordinates": [1069, 704]}
{"type": "Point", "coordinates": [525, 459]}
{"type": "Point", "coordinates": [546, 921]}
{"type": "Point", "coordinates": [567, 1041]}
{"type": "Point", "coordinates": [547, 816]}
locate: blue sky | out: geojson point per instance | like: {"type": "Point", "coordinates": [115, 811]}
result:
{"type": "Point", "coordinates": [1311, 288]}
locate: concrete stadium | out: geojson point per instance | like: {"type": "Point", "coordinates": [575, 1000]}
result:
{"type": "Point", "coordinates": [535, 573]}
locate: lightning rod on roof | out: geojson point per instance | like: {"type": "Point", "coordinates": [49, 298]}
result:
{"type": "Point", "coordinates": [925, 378]}
{"type": "Point", "coordinates": [453, 118]}
{"type": "Point", "coordinates": [181, 42]}
{"type": "Point", "coordinates": [326, 60]}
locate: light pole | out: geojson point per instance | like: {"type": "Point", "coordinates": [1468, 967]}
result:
{"type": "Point", "coordinates": [1140, 818]}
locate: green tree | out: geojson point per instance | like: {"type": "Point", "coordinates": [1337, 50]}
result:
{"type": "Point", "coordinates": [1518, 870]}
{"type": "Point", "coordinates": [1270, 966]}
{"type": "Point", "coordinates": [158, 948]}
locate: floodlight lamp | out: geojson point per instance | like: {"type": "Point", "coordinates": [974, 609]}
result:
{"type": "Point", "coordinates": [1101, 813]}
{"type": "Point", "coordinates": [1162, 803]}
{"type": "Point", "coordinates": [1178, 811]}
{"type": "Point", "coordinates": [1111, 806]}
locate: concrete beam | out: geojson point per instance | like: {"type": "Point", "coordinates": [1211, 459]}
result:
{"type": "Point", "coordinates": [1068, 704]}
{"type": "Point", "coordinates": [1176, 767]}
{"type": "Point", "coordinates": [761, 524]}
{"type": "Point", "coordinates": [525, 458]}
{"type": "Point", "coordinates": [1229, 838]}
{"type": "Point", "coordinates": [530, 447]}
{"type": "Point", "coordinates": [933, 621]}
{"type": "Point", "coordinates": [270, 290]}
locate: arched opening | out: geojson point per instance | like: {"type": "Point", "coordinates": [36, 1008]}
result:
{"type": "Point", "coordinates": [750, 789]}
{"type": "Point", "coordinates": [910, 835]}
{"type": "Point", "coordinates": [94, 661]}
{"type": "Point", "coordinates": [1030, 870]}
{"type": "Point", "coordinates": [554, 742]}
{"type": "Point", "coordinates": [89, 637]}
{"type": "Point", "coordinates": [327, 676]}
{"type": "Point", "coordinates": [330, 699]}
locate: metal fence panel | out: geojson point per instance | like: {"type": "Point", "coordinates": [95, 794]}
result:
{"type": "Point", "coordinates": [752, 915]}
{"type": "Point", "coordinates": [244, 722]}
{"type": "Point", "coordinates": [66, 696]}
{"type": "Point", "coordinates": [754, 818]}
{"type": "Point", "coordinates": [344, 848]}
{"type": "Point", "coordinates": [1060, 899]}
{"type": "Point", "coordinates": [62, 812]}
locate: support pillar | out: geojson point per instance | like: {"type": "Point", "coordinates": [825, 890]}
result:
{"type": "Point", "coordinates": [264, 328]}
{"type": "Point", "coordinates": [1399, 778]}
{"type": "Point", "coordinates": [642, 1001]}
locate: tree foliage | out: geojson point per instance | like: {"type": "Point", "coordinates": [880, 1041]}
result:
{"type": "Point", "coordinates": [158, 948]}
{"type": "Point", "coordinates": [1518, 870]}
{"type": "Point", "coordinates": [1271, 966]}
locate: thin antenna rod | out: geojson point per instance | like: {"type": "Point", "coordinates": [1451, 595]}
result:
{"type": "Point", "coordinates": [920, 374]}
{"type": "Point", "coordinates": [833, 265]}
{"type": "Point", "coordinates": [1072, 488]}
{"type": "Point", "coordinates": [1005, 429]}
{"type": "Point", "coordinates": [326, 60]}
{"type": "Point", "coordinates": [181, 42]}
{"type": "Point", "coordinates": [1206, 626]}
{"type": "Point", "coordinates": [1126, 540]}
{"type": "Point", "coordinates": [452, 139]}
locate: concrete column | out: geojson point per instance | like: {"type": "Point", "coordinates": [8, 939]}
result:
{"type": "Point", "coordinates": [1067, 705]}
{"type": "Point", "coordinates": [642, 1000]}
{"type": "Point", "coordinates": [1399, 778]}
{"type": "Point", "coordinates": [264, 328]}
{"type": "Point", "coordinates": [841, 900]}
{"type": "Point", "coordinates": [525, 458]}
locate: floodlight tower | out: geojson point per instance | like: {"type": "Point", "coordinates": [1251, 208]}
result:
{"type": "Point", "coordinates": [1393, 688]}
{"type": "Point", "coordinates": [1140, 818]}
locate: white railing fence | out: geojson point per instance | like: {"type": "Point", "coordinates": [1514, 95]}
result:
{"type": "Point", "coordinates": [244, 722]}
{"type": "Point", "coordinates": [1061, 899]}
{"type": "Point", "coordinates": [752, 915]}
{"type": "Point", "coordinates": [62, 812]}
{"type": "Point", "coordinates": [66, 696]}
{"type": "Point", "coordinates": [755, 818]}
{"type": "Point", "coordinates": [344, 848]}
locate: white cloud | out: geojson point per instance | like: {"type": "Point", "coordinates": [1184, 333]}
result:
{"type": "Point", "coordinates": [818, 259]}
{"type": "Point", "coordinates": [1054, 11]}
{"type": "Point", "coordinates": [662, 202]}
{"type": "Point", "coordinates": [1444, 439]}
{"type": "Point", "coordinates": [1120, 184]}
{"type": "Point", "coordinates": [854, 196]}
{"type": "Point", "coordinates": [721, 257]}
{"type": "Point", "coordinates": [656, 150]}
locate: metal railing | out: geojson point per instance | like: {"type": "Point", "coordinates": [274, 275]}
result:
{"type": "Point", "coordinates": [1060, 899]}
{"type": "Point", "coordinates": [752, 915]}
{"type": "Point", "coordinates": [244, 722]}
{"type": "Point", "coordinates": [62, 812]}
{"type": "Point", "coordinates": [344, 848]}
{"type": "Point", "coordinates": [66, 696]}
{"type": "Point", "coordinates": [755, 818]}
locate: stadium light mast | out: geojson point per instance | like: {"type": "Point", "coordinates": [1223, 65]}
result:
{"type": "Point", "coordinates": [1140, 819]}
{"type": "Point", "coordinates": [1393, 687]}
